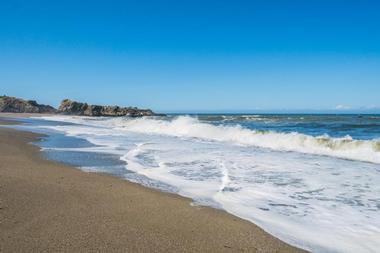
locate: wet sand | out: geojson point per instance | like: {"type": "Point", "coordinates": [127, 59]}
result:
{"type": "Point", "coordinates": [50, 207]}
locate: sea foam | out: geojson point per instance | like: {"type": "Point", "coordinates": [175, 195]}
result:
{"type": "Point", "coordinates": [190, 127]}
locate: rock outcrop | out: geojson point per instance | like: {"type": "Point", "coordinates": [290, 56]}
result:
{"type": "Point", "coordinates": [18, 105]}
{"type": "Point", "coordinates": [70, 107]}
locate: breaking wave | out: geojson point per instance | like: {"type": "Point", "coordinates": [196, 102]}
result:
{"type": "Point", "coordinates": [190, 127]}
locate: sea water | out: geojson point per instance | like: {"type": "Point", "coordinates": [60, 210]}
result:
{"type": "Point", "coordinates": [311, 180]}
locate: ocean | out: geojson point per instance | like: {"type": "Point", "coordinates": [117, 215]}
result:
{"type": "Point", "coordinates": [310, 180]}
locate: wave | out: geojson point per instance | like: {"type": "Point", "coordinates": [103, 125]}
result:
{"type": "Point", "coordinates": [232, 117]}
{"type": "Point", "coordinates": [191, 127]}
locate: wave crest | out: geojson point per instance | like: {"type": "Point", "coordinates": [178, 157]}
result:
{"type": "Point", "coordinates": [185, 126]}
{"type": "Point", "coordinates": [191, 127]}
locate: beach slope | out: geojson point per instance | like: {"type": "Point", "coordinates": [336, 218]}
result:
{"type": "Point", "coordinates": [50, 207]}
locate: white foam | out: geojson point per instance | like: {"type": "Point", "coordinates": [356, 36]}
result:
{"type": "Point", "coordinates": [190, 127]}
{"type": "Point", "coordinates": [306, 205]}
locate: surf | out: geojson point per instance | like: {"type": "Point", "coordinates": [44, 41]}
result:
{"type": "Point", "coordinates": [190, 127]}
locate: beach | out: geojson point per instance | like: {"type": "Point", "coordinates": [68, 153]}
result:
{"type": "Point", "coordinates": [46, 206]}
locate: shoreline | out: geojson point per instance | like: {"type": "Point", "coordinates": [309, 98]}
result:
{"type": "Point", "coordinates": [47, 206]}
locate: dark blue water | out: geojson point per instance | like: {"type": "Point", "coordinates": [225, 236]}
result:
{"type": "Point", "coordinates": [360, 127]}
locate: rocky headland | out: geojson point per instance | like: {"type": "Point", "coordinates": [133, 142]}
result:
{"type": "Point", "coordinates": [18, 105]}
{"type": "Point", "coordinates": [70, 107]}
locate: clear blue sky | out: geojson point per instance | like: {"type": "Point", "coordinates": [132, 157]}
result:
{"type": "Point", "coordinates": [194, 55]}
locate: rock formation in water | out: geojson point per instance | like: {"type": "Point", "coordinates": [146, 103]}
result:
{"type": "Point", "coordinates": [18, 105]}
{"type": "Point", "coordinates": [70, 107]}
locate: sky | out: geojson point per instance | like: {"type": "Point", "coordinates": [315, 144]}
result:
{"type": "Point", "coordinates": [194, 56]}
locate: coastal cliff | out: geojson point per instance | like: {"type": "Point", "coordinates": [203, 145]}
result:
{"type": "Point", "coordinates": [70, 107]}
{"type": "Point", "coordinates": [18, 105]}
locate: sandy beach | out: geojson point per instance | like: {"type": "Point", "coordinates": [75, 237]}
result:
{"type": "Point", "coordinates": [51, 207]}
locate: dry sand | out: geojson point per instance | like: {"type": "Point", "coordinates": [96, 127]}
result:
{"type": "Point", "coordinates": [49, 207]}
